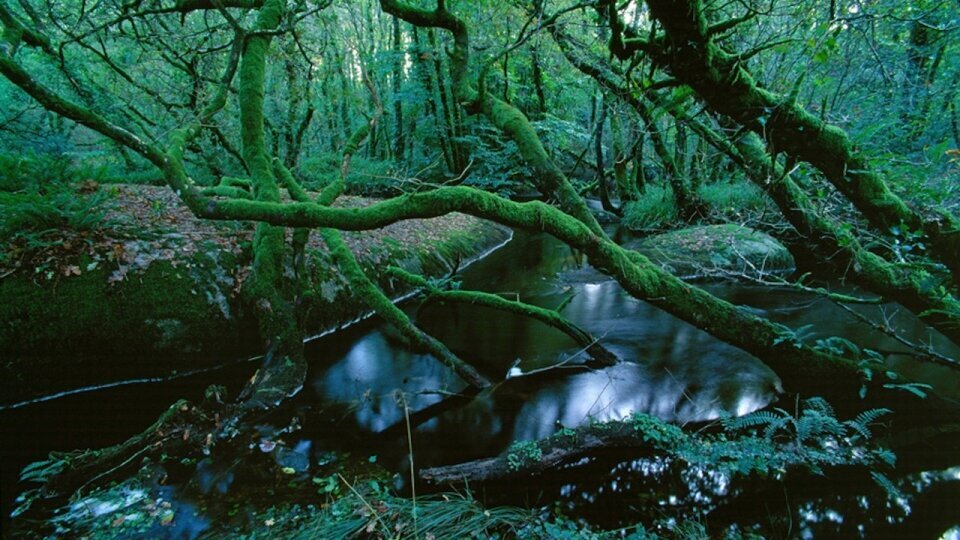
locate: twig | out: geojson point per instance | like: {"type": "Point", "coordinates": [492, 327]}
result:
{"type": "Point", "coordinates": [372, 510]}
{"type": "Point", "coordinates": [413, 476]}
{"type": "Point", "coordinates": [923, 351]}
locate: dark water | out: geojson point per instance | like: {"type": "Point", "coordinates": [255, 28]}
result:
{"type": "Point", "coordinates": [368, 382]}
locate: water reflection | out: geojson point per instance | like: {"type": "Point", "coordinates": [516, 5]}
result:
{"type": "Point", "coordinates": [371, 373]}
{"type": "Point", "coordinates": [670, 369]}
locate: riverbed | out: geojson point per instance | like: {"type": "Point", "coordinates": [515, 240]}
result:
{"type": "Point", "coordinates": [368, 383]}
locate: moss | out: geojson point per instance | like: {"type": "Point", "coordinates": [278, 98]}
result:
{"type": "Point", "coordinates": [86, 313]}
{"type": "Point", "coordinates": [84, 330]}
{"type": "Point", "coordinates": [523, 452]}
{"type": "Point", "coordinates": [699, 251]}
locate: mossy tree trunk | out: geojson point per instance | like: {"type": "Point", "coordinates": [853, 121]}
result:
{"type": "Point", "coordinates": [688, 49]}
{"type": "Point", "coordinates": [266, 290]}
{"type": "Point", "coordinates": [913, 287]}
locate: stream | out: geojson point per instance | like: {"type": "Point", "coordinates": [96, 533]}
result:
{"type": "Point", "coordinates": [368, 383]}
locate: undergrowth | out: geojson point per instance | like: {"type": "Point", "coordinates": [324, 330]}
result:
{"type": "Point", "coordinates": [43, 193]}
{"type": "Point", "coordinates": [727, 201]}
{"type": "Point", "coordinates": [367, 177]}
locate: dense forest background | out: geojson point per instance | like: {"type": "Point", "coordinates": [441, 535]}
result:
{"type": "Point", "coordinates": [831, 126]}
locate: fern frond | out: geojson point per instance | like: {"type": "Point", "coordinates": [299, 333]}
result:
{"type": "Point", "coordinates": [860, 429]}
{"type": "Point", "coordinates": [886, 455]}
{"type": "Point", "coordinates": [817, 403]}
{"type": "Point", "coordinates": [775, 426]}
{"type": "Point", "coordinates": [754, 419]}
{"type": "Point", "coordinates": [871, 415]}
{"type": "Point", "coordinates": [815, 424]}
{"type": "Point", "coordinates": [881, 479]}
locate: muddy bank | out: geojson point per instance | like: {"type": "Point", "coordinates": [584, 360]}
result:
{"type": "Point", "coordinates": [156, 291]}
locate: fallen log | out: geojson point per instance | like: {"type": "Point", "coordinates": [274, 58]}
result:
{"type": "Point", "coordinates": [641, 432]}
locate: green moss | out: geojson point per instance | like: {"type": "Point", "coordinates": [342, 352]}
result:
{"type": "Point", "coordinates": [660, 434]}
{"type": "Point", "coordinates": [729, 248]}
{"type": "Point", "coordinates": [523, 452]}
{"type": "Point", "coordinates": [87, 313]}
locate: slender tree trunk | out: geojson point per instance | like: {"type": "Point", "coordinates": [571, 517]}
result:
{"type": "Point", "coordinates": [538, 82]}
{"type": "Point", "coordinates": [399, 147]}
{"type": "Point", "coordinates": [626, 187]}
{"type": "Point", "coordinates": [506, 77]}
{"type": "Point", "coordinates": [601, 114]}
{"type": "Point", "coordinates": [434, 108]}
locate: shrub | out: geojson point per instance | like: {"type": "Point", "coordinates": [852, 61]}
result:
{"type": "Point", "coordinates": [734, 200]}
{"type": "Point", "coordinates": [38, 194]}
{"type": "Point", "coordinates": [655, 210]}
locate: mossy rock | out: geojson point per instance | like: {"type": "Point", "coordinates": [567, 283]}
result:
{"type": "Point", "coordinates": [717, 251]}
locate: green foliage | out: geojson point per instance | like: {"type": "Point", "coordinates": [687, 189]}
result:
{"type": "Point", "coordinates": [655, 210]}
{"type": "Point", "coordinates": [367, 177]}
{"type": "Point", "coordinates": [522, 452]}
{"type": "Point", "coordinates": [656, 431]}
{"type": "Point", "coordinates": [814, 438]}
{"type": "Point", "coordinates": [364, 510]}
{"type": "Point", "coordinates": [736, 201]}
{"type": "Point", "coordinates": [498, 166]}
{"type": "Point", "coordinates": [38, 194]}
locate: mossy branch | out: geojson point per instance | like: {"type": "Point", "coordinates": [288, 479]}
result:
{"type": "Point", "coordinates": [909, 286]}
{"type": "Point", "coordinates": [227, 191]}
{"type": "Point", "coordinates": [730, 89]}
{"type": "Point", "coordinates": [547, 316]}
{"type": "Point", "coordinates": [362, 285]}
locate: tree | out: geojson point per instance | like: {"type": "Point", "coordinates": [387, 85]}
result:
{"type": "Point", "coordinates": [235, 41]}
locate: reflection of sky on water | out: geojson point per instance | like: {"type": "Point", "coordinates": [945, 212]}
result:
{"type": "Point", "coordinates": [370, 374]}
{"type": "Point", "coordinates": [671, 369]}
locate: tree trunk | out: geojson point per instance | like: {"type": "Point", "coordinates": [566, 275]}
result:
{"type": "Point", "coordinates": [399, 148]}
{"type": "Point", "coordinates": [600, 107]}
{"type": "Point", "coordinates": [284, 366]}
{"type": "Point", "coordinates": [722, 80]}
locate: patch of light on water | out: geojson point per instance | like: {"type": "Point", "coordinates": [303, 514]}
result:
{"type": "Point", "coordinates": [99, 507]}
{"type": "Point", "coordinates": [952, 534]}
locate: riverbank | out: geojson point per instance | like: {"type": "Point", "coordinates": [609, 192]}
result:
{"type": "Point", "coordinates": [154, 291]}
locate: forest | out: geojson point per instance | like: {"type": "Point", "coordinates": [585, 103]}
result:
{"type": "Point", "coordinates": [425, 269]}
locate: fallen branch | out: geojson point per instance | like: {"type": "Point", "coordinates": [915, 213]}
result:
{"type": "Point", "coordinates": [547, 316]}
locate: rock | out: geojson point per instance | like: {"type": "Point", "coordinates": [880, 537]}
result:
{"type": "Point", "coordinates": [604, 217]}
{"type": "Point", "coordinates": [716, 250]}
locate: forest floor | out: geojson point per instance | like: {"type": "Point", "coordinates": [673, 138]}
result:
{"type": "Point", "coordinates": [156, 214]}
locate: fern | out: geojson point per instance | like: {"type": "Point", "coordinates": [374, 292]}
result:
{"type": "Point", "coordinates": [780, 423]}
{"type": "Point", "coordinates": [813, 424]}
{"type": "Point", "coordinates": [41, 471]}
{"type": "Point", "coordinates": [813, 438]}
{"type": "Point", "coordinates": [754, 419]}
{"type": "Point", "coordinates": [881, 479]}
{"type": "Point", "coordinates": [817, 403]}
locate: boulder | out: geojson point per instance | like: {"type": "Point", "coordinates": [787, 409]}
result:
{"type": "Point", "coordinates": [716, 251]}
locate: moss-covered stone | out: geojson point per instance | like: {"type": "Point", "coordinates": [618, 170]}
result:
{"type": "Point", "coordinates": [716, 250]}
